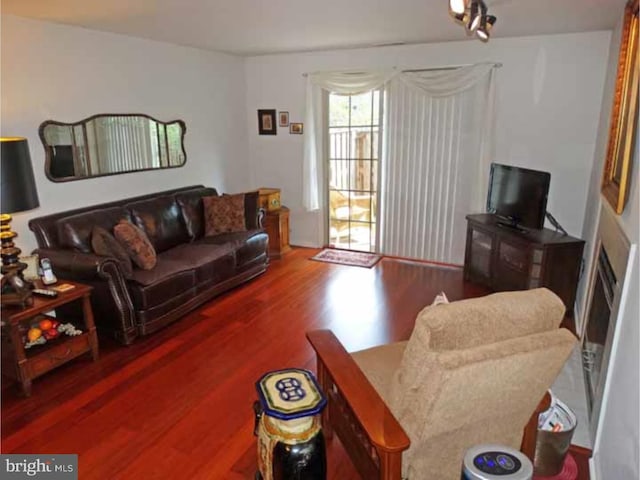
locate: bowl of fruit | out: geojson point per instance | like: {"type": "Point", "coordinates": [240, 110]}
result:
{"type": "Point", "coordinates": [48, 329]}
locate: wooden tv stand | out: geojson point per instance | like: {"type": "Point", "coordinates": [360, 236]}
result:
{"type": "Point", "coordinates": [506, 259]}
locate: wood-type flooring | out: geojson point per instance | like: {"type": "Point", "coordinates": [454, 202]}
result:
{"type": "Point", "coordinates": [177, 404]}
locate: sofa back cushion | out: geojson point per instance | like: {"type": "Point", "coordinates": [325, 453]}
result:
{"type": "Point", "coordinates": [46, 230]}
{"type": "Point", "coordinates": [75, 231]}
{"type": "Point", "coordinates": [161, 219]}
{"type": "Point", "coordinates": [193, 210]}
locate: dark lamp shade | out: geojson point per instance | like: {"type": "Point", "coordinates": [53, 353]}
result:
{"type": "Point", "coordinates": [17, 185]}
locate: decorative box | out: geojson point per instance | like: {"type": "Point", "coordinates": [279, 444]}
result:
{"type": "Point", "coordinates": [269, 199]}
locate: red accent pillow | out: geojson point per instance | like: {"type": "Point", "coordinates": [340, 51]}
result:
{"type": "Point", "coordinates": [224, 214]}
{"type": "Point", "coordinates": [136, 243]}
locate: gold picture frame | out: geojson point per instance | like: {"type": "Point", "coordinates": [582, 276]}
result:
{"type": "Point", "coordinates": [295, 128]}
{"type": "Point", "coordinates": [624, 115]}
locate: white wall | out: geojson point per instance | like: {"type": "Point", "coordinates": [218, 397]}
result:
{"type": "Point", "coordinates": [592, 210]}
{"type": "Point", "coordinates": [617, 442]}
{"type": "Point", "coordinates": [65, 73]}
{"type": "Point", "coordinates": [548, 104]}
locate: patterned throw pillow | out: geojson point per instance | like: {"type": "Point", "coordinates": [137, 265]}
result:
{"type": "Point", "coordinates": [224, 214]}
{"type": "Point", "coordinates": [103, 243]}
{"type": "Point", "coordinates": [136, 243]}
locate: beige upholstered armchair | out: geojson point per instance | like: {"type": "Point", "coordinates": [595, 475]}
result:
{"type": "Point", "coordinates": [472, 372]}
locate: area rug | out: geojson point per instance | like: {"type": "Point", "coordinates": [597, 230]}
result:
{"type": "Point", "coordinates": [347, 257]}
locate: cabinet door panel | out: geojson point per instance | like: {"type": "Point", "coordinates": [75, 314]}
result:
{"type": "Point", "coordinates": [512, 267]}
{"type": "Point", "coordinates": [480, 254]}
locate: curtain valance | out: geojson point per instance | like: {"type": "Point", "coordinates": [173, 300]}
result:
{"type": "Point", "coordinates": [436, 84]}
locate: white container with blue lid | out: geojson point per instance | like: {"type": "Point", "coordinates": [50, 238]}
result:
{"type": "Point", "coordinates": [495, 462]}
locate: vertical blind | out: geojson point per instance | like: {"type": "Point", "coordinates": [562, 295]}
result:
{"type": "Point", "coordinates": [435, 165]}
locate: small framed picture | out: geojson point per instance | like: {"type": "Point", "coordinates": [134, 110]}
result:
{"type": "Point", "coordinates": [31, 272]}
{"type": "Point", "coordinates": [267, 122]}
{"type": "Point", "coordinates": [283, 119]}
{"type": "Point", "coordinates": [295, 128]}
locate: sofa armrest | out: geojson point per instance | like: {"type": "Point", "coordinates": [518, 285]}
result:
{"type": "Point", "coordinates": [78, 265]}
{"type": "Point", "coordinates": [112, 305]}
{"type": "Point", "coordinates": [355, 409]}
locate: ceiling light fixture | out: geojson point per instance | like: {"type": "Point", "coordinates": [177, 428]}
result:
{"type": "Point", "coordinates": [485, 27]}
{"type": "Point", "coordinates": [457, 6]}
{"type": "Point", "coordinates": [473, 15]}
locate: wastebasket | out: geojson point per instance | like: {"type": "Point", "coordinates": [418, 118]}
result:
{"type": "Point", "coordinates": [555, 430]}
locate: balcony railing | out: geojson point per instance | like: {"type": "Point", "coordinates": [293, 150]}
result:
{"type": "Point", "coordinates": [352, 188]}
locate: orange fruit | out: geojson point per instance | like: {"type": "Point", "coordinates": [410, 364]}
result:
{"type": "Point", "coordinates": [45, 325]}
{"type": "Point", "coordinates": [33, 334]}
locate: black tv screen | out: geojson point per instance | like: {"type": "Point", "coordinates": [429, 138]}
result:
{"type": "Point", "coordinates": [518, 195]}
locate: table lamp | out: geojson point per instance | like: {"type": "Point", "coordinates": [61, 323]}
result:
{"type": "Point", "coordinates": [17, 194]}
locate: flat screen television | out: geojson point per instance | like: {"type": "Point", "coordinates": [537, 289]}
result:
{"type": "Point", "coordinates": [518, 195]}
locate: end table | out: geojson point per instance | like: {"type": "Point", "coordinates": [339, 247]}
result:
{"type": "Point", "coordinates": [277, 226]}
{"type": "Point", "coordinates": [27, 364]}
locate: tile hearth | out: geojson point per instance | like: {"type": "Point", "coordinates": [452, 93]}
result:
{"type": "Point", "coordinates": [569, 387]}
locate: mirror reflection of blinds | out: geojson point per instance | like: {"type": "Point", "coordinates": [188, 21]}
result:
{"type": "Point", "coordinates": [434, 167]}
{"type": "Point", "coordinates": [125, 144]}
{"type": "Point", "coordinates": [107, 144]}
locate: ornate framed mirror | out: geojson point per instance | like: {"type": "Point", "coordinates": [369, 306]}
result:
{"type": "Point", "coordinates": [624, 115]}
{"type": "Point", "coordinates": [110, 144]}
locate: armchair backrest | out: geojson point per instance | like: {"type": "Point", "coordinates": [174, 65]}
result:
{"type": "Point", "coordinates": [473, 372]}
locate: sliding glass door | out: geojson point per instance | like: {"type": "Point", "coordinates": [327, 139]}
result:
{"type": "Point", "coordinates": [354, 147]}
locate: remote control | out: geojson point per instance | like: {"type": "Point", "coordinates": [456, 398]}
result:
{"type": "Point", "coordinates": [44, 292]}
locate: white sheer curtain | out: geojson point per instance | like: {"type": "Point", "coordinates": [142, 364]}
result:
{"type": "Point", "coordinates": [345, 83]}
{"type": "Point", "coordinates": [437, 147]}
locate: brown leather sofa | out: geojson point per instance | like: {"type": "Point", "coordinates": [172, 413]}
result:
{"type": "Point", "coordinates": [191, 268]}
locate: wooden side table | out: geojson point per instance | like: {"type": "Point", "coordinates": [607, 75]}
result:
{"type": "Point", "coordinates": [27, 364]}
{"type": "Point", "coordinates": [277, 227]}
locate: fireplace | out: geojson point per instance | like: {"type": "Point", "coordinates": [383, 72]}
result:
{"type": "Point", "coordinates": [612, 247]}
{"type": "Point", "coordinates": [595, 335]}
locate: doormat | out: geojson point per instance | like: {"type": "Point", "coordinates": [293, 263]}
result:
{"type": "Point", "coordinates": [347, 257]}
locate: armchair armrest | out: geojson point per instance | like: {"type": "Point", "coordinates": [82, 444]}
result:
{"type": "Point", "coordinates": [344, 383]}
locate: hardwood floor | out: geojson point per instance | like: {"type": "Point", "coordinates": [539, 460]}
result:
{"type": "Point", "coordinates": [178, 403]}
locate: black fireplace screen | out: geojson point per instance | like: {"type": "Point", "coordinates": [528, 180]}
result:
{"type": "Point", "coordinates": [593, 347]}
